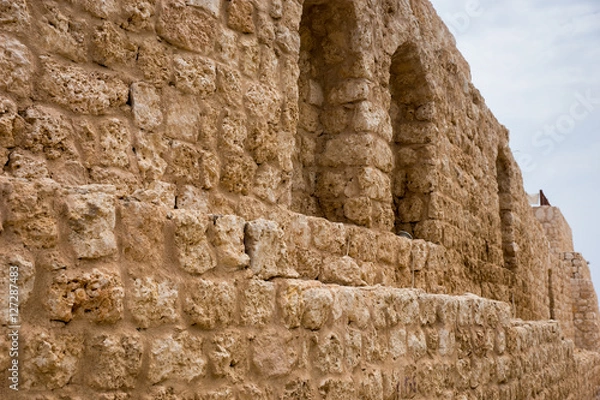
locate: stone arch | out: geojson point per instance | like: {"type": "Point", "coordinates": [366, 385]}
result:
{"type": "Point", "coordinates": [343, 166]}
{"type": "Point", "coordinates": [412, 114]}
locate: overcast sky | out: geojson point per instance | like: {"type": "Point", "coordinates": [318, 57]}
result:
{"type": "Point", "coordinates": [537, 63]}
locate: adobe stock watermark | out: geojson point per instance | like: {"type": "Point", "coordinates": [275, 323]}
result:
{"type": "Point", "coordinates": [551, 135]}
{"type": "Point", "coordinates": [13, 326]}
{"type": "Point", "coordinates": [459, 22]}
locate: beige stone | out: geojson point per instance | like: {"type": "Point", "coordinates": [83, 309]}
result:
{"type": "Point", "coordinates": [195, 253]}
{"type": "Point", "coordinates": [227, 235]}
{"type": "Point", "coordinates": [146, 106]}
{"type": "Point", "coordinates": [16, 65]}
{"type": "Point", "coordinates": [154, 302]}
{"type": "Point", "coordinates": [177, 356]}
{"type": "Point", "coordinates": [211, 304]}
{"type": "Point", "coordinates": [117, 360]}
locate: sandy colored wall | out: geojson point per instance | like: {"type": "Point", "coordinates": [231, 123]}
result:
{"type": "Point", "coordinates": [202, 200]}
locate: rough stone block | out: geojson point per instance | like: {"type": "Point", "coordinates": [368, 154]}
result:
{"type": "Point", "coordinates": [267, 250]}
{"type": "Point", "coordinates": [318, 303]}
{"type": "Point", "coordinates": [240, 14]}
{"type": "Point", "coordinates": [186, 26]}
{"type": "Point", "coordinates": [195, 253]}
{"type": "Point", "coordinates": [80, 90]}
{"type": "Point", "coordinates": [96, 295]}
{"type": "Point", "coordinates": [211, 6]}
{"type": "Point", "coordinates": [343, 271]}
{"type": "Point", "coordinates": [329, 237]}
{"type": "Point", "coordinates": [153, 302]}
{"type": "Point", "coordinates": [195, 75]}
{"type": "Point", "coordinates": [50, 359]}
{"type": "Point", "coordinates": [333, 388]}
{"type": "Point", "coordinates": [360, 150]}
{"type": "Point", "coordinates": [111, 47]}
{"type": "Point", "coordinates": [178, 356]}
{"type": "Point", "coordinates": [227, 235]}
{"type": "Point", "coordinates": [16, 66]}
{"type": "Point", "coordinates": [229, 85]}
{"type": "Point", "coordinates": [14, 15]}
{"type": "Point", "coordinates": [146, 106]}
{"type": "Point", "coordinates": [229, 354]}
{"type": "Point", "coordinates": [258, 303]}
{"type": "Point", "coordinates": [91, 215]}
{"type": "Point", "coordinates": [142, 238]}
{"type": "Point", "coordinates": [362, 244]}
{"type": "Point", "coordinates": [210, 304]}
{"type": "Point", "coordinates": [274, 353]}
{"type": "Point", "coordinates": [238, 172]}
{"type": "Point", "coordinates": [116, 360]}
{"type": "Point", "coordinates": [328, 354]}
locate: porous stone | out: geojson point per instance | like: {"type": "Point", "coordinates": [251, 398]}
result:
{"type": "Point", "coordinates": [154, 302]}
{"type": "Point", "coordinates": [227, 235]}
{"type": "Point", "coordinates": [81, 90]}
{"type": "Point", "coordinates": [267, 250]}
{"type": "Point", "coordinates": [146, 106]}
{"type": "Point", "coordinates": [91, 215]}
{"type": "Point", "coordinates": [210, 304]}
{"type": "Point", "coordinates": [195, 75]}
{"type": "Point", "coordinates": [178, 356]}
{"type": "Point", "coordinates": [117, 360]}
{"type": "Point", "coordinates": [96, 295]}
{"type": "Point", "coordinates": [274, 353]}
{"type": "Point", "coordinates": [258, 303]}
{"type": "Point", "coordinates": [185, 26]}
{"type": "Point", "coordinates": [195, 253]}
{"type": "Point", "coordinates": [16, 66]}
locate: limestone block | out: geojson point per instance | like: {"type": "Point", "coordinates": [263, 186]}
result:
{"type": "Point", "coordinates": [238, 172]}
{"type": "Point", "coordinates": [229, 354]}
{"type": "Point", "coordinates": [287, 40]}
{"type": "Point", "coordinates": [185, 26]}
{"type": "Point", "coordinates": [210, 304]}
{"type": "Point", "coordinates": [398, 344]}
{"type": "Point", "coordinates": [195, 75]}
{"type": "Point", "coordinates": [29, 211]}
{"type": "Point", "coordinates": [328, 353]}
{"type": "Point", "coordinates": [353, 304]}
{"type": "Point", "coordinates": [154, 61]}
{"type": "Point", "coordinates": [138, 15]}
{"type": "Point", "coordinates": [262, 102]}
{"type": "Point", "coordinates": [116, 360]}
{"type": "Point", "coordinates": [62, 34]}
{"type": "Point", "coordinates": [47, 131]}
{"type": "Point", "coordinates": [371, 386]}
{"type": "Point", "coordinates": [333, 388]}
{"type": "Point", "coordinates": [318, 303]}
{"type": "Point", "coordinates": [80, 90]}
{"type": "Point", "coordinates": [329, 237]}
{"type": "Point", "coordinates": [115, 143]}
{"type": "Point", "coordinates": [146, 106]}
{"type": "Point", "coordinates": [10, 122]}
{"type": "Point", "coordinates": [23, 165]}
{"type": "Point", "coordinates": [142, 238]}
{"type": "Point", "coordinates": [177, 356]}
{"type": "Point", "coordinates": [182, 118]}
{"type": "Point", "coordinates": [229, 85]}
{"type": "Point", "coordinates": [298, 388]}
{"type": "Point", "coordinates": [14, 15]}
{"type": "Point", "coordinates": [211, 6]}
{"type": "Point", "coordinates": [274, 353]}
{"type": "Point", "coordinates": [98, 8]}
{"type": "Point", "coordinates": [258, 303]}
{"type": "Point", "coordinates": [349, 91]}
{"type": "Point", "coordinates": [111, 47]}
{"type": "Point", "coordinates": [343, 271]}
{"type": "Point", "coordinates": [362, 244]}
{"type": "Point", "coordinates": [266, 184]}
{"type": "Point", "coordinates": [227, 235]}
{"type": "Point", "coordinates": [157, 193]}
{"type": "Point", "coordinates": [267, 250]}
{"type": "Point", "coordinates": [153, 302]}
{"type": "Point", "coordinates": [90, 211]}
{"type": "Point", "coordinates": [262, 141]}
{"type": "Point", "coordinates": [407, 306]}
{"type": "Point", "coordinates": [50, 359]}
{"type": "Point", "coordinates": [357, 150]}
{"type": "Point", "coordinates": [417, 133]}
{"type": "Point", "coordinates": [359, 210]}
{"type": "Point", "coordinates": [18, 266]}
{"type": "Point", "coordinates": [16, 66]}
{"type": "Point", "coordinates": [240, 14]}
{"type": "Point", "coordinates": [195, 253]}
{"type": "Point", "coordinates": [96, 295]}
{"type": "Point", "coordinates": [234, 130]}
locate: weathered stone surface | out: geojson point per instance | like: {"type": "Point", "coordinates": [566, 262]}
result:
{"type": "Point", "coordinates": [178, 356]}
{"type": "Point", "coordinates": [111, 47]}
{"type": "Point", "coordinates": [240, 16]}
{"type": "Point", "coordinates": [210, 304]}
{"type": "Point", "coordinates": [185, 26]}
{"type": "Point", "coordinates": [80, 90]}
{"type": "Point", "coordinates": [96, 295]}
{"type": "Point", "coordinates": [227, 235]}
{"type": "Point", "coordinates": [195, 75]}
{"type": "Point", "coordinates": [146, 106]}
{"type": "Point", "coordinates": [267, 250]}
{"type": "Point", "coordinates": [195, 253]}
{"type": "Point", "coordinates": [116, 360]}
{"type": "Point", "coordinates": [50, 359]}
{"type": "Point", "coordinates": [274, 353]}
{"type": "Point", "coordinates": [154, 302]}
{"type": "Point", "coordinates": [14, 15]}
{"type": "Point", "coordinates": [16, 66]}
{"type": "Point", "coordinates": [17, 278]}
{"type": "Point", "coordinates": [91, 215]}
{"type": "Point", "coordinates": [343, 271]}
{"type": "Point", "coordinates": [258, 303]}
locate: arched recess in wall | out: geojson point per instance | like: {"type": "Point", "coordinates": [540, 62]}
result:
{"type": "Point", "coordinates": [506, 206]}
{"type": "Point", "coordinates": [325, 59]}
{"type": "Point", "coordinates": [412, 114]}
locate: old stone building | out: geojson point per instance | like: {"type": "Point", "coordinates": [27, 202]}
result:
{"type": "Point", "coordinates": [203, 199]}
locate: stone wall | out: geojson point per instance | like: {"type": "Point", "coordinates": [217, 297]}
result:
{"type": "Point", "coordinates": [202, 199]}
{"type": "Point", "coordinates": [213, 308]}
